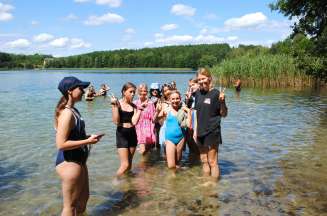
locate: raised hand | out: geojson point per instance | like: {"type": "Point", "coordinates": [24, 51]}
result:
{"type": "Point", "coordinates": [159, 106]}
{"type": "Point", "coordinates": [222, 94]}
{"type": "Point", "coordinates": [185, 109]}
{"type": "Point", "coordinates": [113, 100]}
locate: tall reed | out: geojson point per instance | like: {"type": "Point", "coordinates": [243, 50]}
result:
{"type": "Point", "coordinates": [262, 71]}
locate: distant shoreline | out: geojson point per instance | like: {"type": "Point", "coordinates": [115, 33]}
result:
{"type": "Point", "coordinates": [114, 70]}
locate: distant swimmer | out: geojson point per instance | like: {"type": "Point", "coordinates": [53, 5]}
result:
{"type": "Point", "coordinates": [90, 93]}
{"type": "Point", "coordinates": [237, 85]}
{"type": "Point", "coordinates": [104, 88]}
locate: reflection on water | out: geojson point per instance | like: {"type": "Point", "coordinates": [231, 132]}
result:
{"type": "Point", "coordinates": [273, 157]}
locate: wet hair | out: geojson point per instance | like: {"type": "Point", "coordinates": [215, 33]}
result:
{"type": "Point", "coordinates": [60, 106]}
{"type": "Point", "coordinates": [127, 86]}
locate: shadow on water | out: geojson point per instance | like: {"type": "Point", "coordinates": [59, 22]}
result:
{"type": "Point", "coordinates": [10, 176]}
{"type": "Point", "coordinates": [227, 167]}
{"type": "Point", "coordinates": [117, 203]}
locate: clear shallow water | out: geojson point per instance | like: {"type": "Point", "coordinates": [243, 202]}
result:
{"type": "Point", "coordinates": [273, 160]}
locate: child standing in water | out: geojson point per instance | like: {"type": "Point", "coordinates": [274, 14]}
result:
{"type": "Point", "coordinates": [145, 130]}
{"type": "Point", "coordinates": [72, 141]}
{"type": "Point", "coordinates": [177, 118]}
{"type": "Point", "coordinates": [126, 115]}
{"type": "Point", "coordinates": [210, 106]}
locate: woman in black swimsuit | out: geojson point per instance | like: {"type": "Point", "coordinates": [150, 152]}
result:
{"type": "Point", "coordinates": [72, 141]}
{"type": "Point", "coordinates": [126, 115]}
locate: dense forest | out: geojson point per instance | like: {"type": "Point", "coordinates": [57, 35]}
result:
{"type": "Point", "coordinates": [190, 56]}
{"type": "Point", "coordinates": [13, 61]}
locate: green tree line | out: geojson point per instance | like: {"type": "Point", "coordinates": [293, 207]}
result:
{"type": "Point", "coordinates": [188, 56]}
{"type": "Point", "coordinates": [13, 61]}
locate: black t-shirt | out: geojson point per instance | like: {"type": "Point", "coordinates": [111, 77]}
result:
{"type": "Point", "coordinates": [207, 106]}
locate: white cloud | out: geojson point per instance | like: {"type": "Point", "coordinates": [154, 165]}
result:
{"type": "Point", "coordinates": [72, 43]}
{"type": "Point", "coordinates": [248, 20]}
{"type": "Point", "coordinates": [60, 42]}
{"type": "Point", "coordinates": [182, 10]}
{"type": "Point", "coordinates": [106, 18]}
{"type": "Point", "coordinates": [19, 43]}
{"type": "Point", "coordinates": [129, 34]}
{"type": "Point", "coordinates": [130, 31]}
{"type": "Point", "coordinates": [162, 40]}
{"type": "Point", "coordinates": [204, 31]}
{"type": "Point", "coordinates": [5, 12]}
{"type": "Point", "coordinates": [169, 27]}
{"type": "Point", "coordinates": [79, 43]}
{"type": "Point", "coordinates": [111, 3]}
{"type": "Point", "coordinates": [232, 38]}
{"type": "Point", "coordinates": [81, 1]}
{"type": "Point", "coordinates": [71, 16]}
{"type": "Point", "coordinates": [210, 16]}
{"type": "Point", "coordinates": [35, 22]}
{"type": "Point", "coordinates": [208, 39]}
{"type": "Point", "coordinates": [175, 39]}
{"type": "Point", "coordinates": [43, 37]}
{"type": "Point", "coordinates": [158, 35]}
{"type": "Point", "coordinates": [148, 44]}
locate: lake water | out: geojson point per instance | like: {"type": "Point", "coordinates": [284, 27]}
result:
{"type": "Point", "coordinates": [273, 158]}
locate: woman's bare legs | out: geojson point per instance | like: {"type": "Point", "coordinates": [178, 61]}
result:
{"type": "Point", "coordinates": [84, 197]}
{"type": "Point", "coordinates": [71, 177]}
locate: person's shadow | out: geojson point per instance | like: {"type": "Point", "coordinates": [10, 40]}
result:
{"type": "Point", "coordinates": [227, 167]}
{"type": "Point", "coordinates": [117, 203]}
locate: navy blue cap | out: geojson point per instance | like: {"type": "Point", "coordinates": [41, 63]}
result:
{"type": "Point", "coordinates": [69, 83]}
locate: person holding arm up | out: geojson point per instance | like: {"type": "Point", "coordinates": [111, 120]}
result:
{"type": "Point", "coordinates": [126, 115]}
{"type": "Point", "coordinates": [72, 141]}
{"type": "Point", "coordinates": [210, 106]}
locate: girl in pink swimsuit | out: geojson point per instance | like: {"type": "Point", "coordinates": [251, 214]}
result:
{"type": "Point", "coordinates": [145, 131]}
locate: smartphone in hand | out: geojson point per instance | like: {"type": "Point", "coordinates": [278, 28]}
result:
{"type": "Point", "coordinates": [100, 135]}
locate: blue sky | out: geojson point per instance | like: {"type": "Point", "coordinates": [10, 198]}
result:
{"type": "Point", "coordinates": [68, 27]}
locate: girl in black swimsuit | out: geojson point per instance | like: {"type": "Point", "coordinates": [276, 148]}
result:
{"type": "Point", "coordinates": [125, 115]}
{"type": "Point", "coordinates": [72, 141]}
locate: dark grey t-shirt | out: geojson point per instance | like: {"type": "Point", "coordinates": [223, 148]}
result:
{"type": "Point", "coordinates": [207, 106]}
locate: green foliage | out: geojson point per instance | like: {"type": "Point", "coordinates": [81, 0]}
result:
{"type": "Point", "coordinates": [311, 18]}
{"type": "Point", "coordinates": [9, 61]}
{"type": "Point", "coordinates": [265, 66]}
{"type": "Point", "coordinates": [207, 61]}
{"type": "Point", "coordinates": [188, 56]}
{"type": "Point", "coordinates": [311, 15]}
{"type": "Point", "coordinates": [247, 50]}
